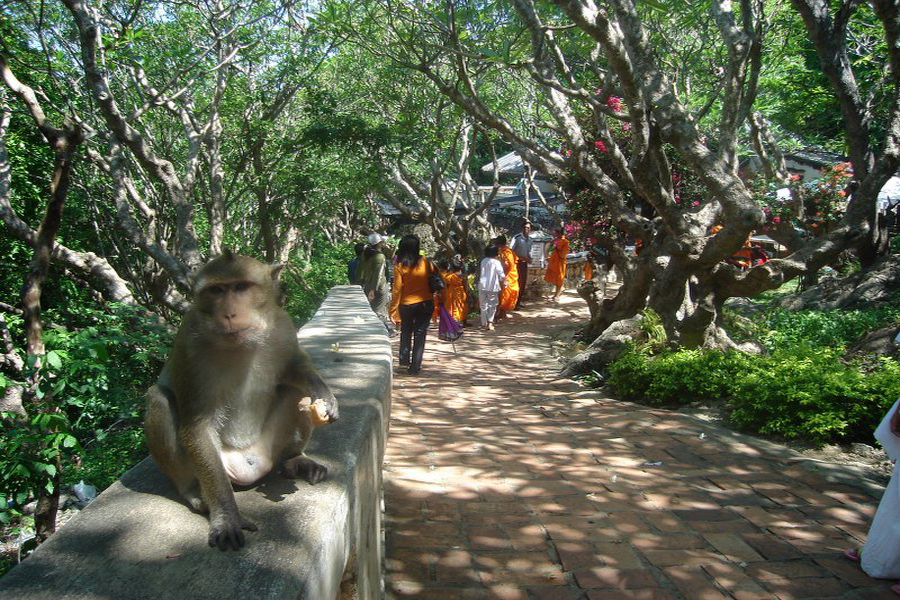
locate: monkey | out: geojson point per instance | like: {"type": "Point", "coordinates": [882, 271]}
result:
{"type": "Point", "coordinates": [232, 401]}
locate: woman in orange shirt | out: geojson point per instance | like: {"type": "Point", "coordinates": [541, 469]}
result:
{"type": "Point", "coordinates": [413, 300]}
{"type": "Point", "coordinates": [556, 267]}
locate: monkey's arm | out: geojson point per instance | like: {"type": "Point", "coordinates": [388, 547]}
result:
{"type": "Point", "coordinates": [201, 443]}
{"type": "Point", "coordinates": [300, 375]}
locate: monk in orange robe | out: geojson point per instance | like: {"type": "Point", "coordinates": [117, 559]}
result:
{"type": "Point", "coordinates": [510, 293]}
{"type": "Point", "coordinates": [556, 267]}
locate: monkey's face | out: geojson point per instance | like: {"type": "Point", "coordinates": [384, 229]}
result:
{"type": "Point", "coordinates": [234, 295]}
{"type": "Point", "coordinates": [235, 311]}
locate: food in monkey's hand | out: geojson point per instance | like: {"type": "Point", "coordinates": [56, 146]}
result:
{"type": "Point", "coordinates": [318, 410]}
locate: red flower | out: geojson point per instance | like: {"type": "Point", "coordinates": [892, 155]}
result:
{"type": "Point", "coordinates": [776, 220]}
{"type": "Point", "coordinates": [615, 103]}
{"type": "Point", "coordinates": [599, 145]}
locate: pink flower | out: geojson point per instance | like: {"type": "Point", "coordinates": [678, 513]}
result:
{"type": "Point", "coordinates": [676, 177]}
{"type": "Point", "coordinates": [615, 103]}
{"type": "Point", "coordinates": [696, 203]}
{"type": "Point", "coordinates": [599, 145]}
{"type": "Point", "coordinates": [776, 220]}
{"type": "Point", "coordinates": [626, 126]}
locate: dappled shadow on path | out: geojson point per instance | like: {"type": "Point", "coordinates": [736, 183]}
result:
{"type": "Point", "coordinates": [503, 480]}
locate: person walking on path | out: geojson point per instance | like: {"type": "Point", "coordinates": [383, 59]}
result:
{"type": "Point", "coordinates": [372, 277]}
{"type": "Point", "coordinates": [353, 265]}
{"type": "Point", "coordinates": [556, 267]}
{"type": "Point", "coordinates": [510, 294]}
{"type": "Point", "coordinates": [880, 556]}
{"type": "Point", "coordinates": [456, 300]}
{"type": "Point", "coordinates": [521, 246]}
{"type": "Point", "coordinates": [491, 280]}
{"type": "Point", "coordinates": [413, 301]}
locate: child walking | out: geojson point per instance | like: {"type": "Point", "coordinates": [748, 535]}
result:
{"type": "Point", "coordinates": [491, 280]}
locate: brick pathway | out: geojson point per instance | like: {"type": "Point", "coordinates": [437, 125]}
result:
{"type": "Point", "coordinates": [504, 481]}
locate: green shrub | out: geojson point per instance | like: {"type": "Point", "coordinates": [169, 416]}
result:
{"type": "Point", "coordinates": [830, 328]}
{"type": "Point", "coordinates": [675, 377]}
{"type": "Point", "coordinates": [806, 392]}
{"type": "Point", "coordinates": [809, 393]}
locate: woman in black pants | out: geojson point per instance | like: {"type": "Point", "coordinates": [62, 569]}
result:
{"type": "Point", "coordinates": [413, 300]}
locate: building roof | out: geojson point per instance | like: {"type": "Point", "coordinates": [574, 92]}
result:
{"type": "Point", "coordinates": [508, 164]}
{"type": "Point", "coordinates": [814, 158]}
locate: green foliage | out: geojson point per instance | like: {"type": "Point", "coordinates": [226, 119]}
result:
{"type": "Point", "coordinates": [88, 404]}
{"type": "Point", "coordinates": [811, 394]}
{"type": "Point", "coordinates": [109, 453]}
{"type": "Point", "coordinates": [831, 328]}
{"type": "Point", "coordinates": [804, 388]}
{"type": "Point", "coordinates": [306, 285]}
{"type": "Point", "coordinates": [675, 377]}
{"type": "Point", "coordinates": [651, 324]}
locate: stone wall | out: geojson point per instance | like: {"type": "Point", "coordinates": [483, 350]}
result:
{"type": "Point", "coordinates": [138, 540]}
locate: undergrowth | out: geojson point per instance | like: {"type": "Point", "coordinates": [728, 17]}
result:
{"type": "Point", "coordinates": [806, 386]}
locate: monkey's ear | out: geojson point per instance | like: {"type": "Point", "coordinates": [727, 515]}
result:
{"type": "Point", "coordinates": [227, 253]}
{"type": "Point", "coordinates": [275, 271]}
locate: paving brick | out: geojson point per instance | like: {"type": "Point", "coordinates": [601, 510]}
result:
{"type": "Point", "coordinates": [813, 588]}
{"type": "Point", "coordinates": [737, 526]}
{"type": "Point", "coordinates": [733, 547]}
{"type": "Point", "coordinates": [721, 514]}
{"type": "Point", "coordinates": [693, 582]}
{"type": "Point", "coordinates": [503, 591]}
{"type": "Point", "coordinates": [671, 558]}
{"type": "Point", "coordinates": [666, 541]}
{"type": "Point", "coordinates": [645, 594]}
{"type": "Point", "coordinates": [418, 591]}
{"type": "Point", "coordinates": [785, 570]}
{"type": "Point", "coordinates": [771, 547]}
{"type": "Point", "coordinates": [762, 517]}
{"type": "Point", "coordinates": [736, 582]}
{"type": "Point", "coordinates": [613, 578]}
{"type": "Point", "coordinates": [845, 570]}
{"type": "Point", "coordinates": [580, 528]}
{"type": "Point", "coordinates": [570, 592]}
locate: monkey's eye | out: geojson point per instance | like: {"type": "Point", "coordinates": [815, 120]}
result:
{"type": "Point", "coordinates": [216, 290]}
{"type": "Point", "coordinates": [242, 286]}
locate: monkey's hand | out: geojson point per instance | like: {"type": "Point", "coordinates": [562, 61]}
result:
{"type": "Point", "coordinates": [225, 530]}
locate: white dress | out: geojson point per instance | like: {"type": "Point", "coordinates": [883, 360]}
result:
{"type": "Point", "coordinates": [881, 554]}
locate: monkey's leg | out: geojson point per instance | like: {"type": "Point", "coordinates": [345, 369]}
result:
{"type": "Point", "coordinates": [294, 429]}
{"type": "Point", "coordinates": [160, 428]}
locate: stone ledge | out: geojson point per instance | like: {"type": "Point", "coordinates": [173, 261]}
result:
{"type": "Point", "coordinates": [138, 540]}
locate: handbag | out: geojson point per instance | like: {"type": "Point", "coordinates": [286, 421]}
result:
{"type": "Point", "coordinates": [435, 282]}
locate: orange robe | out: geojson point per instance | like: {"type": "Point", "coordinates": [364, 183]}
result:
{"type": "Point", "coordinates": [556, 267]}
{"type": "Point", "coordinates": [510, 293]}
{"type": "Point", "coordinates": [588, 271]}
{"type": "Point", "coordinates": [456, 301]}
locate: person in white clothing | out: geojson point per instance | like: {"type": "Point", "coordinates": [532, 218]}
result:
{"type": "Point", "coordinates": [880, 557]}
{"type": "Point", "coordinates": [491, 280]}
